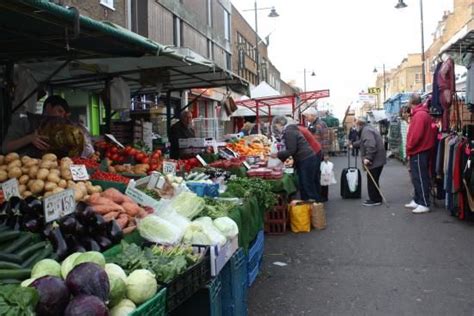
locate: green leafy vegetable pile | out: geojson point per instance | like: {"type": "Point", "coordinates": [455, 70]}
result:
{"type": "Point", "coordinates": [17, 301]}
{"type": "Point", "coordinates": [166, 262]}
{"type": "Point", "coordinates": [247, 187]}
{"type": "Point", "coordinates": [215, 208]}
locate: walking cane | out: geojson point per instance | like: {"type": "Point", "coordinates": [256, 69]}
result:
{"type": "Point", "coordinates": [375, 183]}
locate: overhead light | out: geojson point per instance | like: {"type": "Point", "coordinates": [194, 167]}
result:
{"type": "Point", "coordinates": [313, 74]}
{"type": "Point", "coordinates": [273, 13]}
{"type": "Point", "coordinates": [375, 70]}
{"type": "Point", "coordinates": [400, 5]}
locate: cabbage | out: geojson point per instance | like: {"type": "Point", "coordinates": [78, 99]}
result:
{"type": "Point", "coordinates": [118, 290]}
{"type": "Point", "coordinates": [123, 308]}
{"type": "Point", "coordinates": [46, 267]}
{"type": "Point", "coordinates": [188, 204]}
{"type": "Point", "coordinates": [195, 235]}
{"type": "Point", "coordinates": [27, 282]}
{"type": "Point", "coordinates": [113, 269]}
{"type": "Point", "coordinates": [173, 217]}
{"type": "Point", "coordinates": [68, 264]}
{"type": "Point", "coordinates": [90, 256]}
{"type": "Point", "coordinates": [141, 286]}
{"type": "Point", "coordinates": [159, 230]}
{"type": "Point", "coordinates": [227, 227]}
{"type": "Point", "coordinates": [207, 228]}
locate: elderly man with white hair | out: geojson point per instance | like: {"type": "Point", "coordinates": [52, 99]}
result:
{"type": "Point", "coordinates": [318, 128]}
{"type": "Point", "coordinates": [372, 153]}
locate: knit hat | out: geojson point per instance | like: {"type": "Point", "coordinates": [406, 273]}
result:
{"type": "Point", "coordinates": [310, 111]}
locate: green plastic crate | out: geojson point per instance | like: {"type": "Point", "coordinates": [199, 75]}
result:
{"type": "Point", "coordinates": [156, 306]}
{"type": "Point", "coordinates": [109, 184]}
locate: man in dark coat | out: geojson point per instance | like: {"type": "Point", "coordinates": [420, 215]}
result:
{"type": "Point", "coordinates": [181, 130]}
{"type": "Point", "coordinates": [353, 137]}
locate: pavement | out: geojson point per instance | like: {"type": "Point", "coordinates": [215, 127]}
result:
{"type": "Point", "coordinates": [370, 261]}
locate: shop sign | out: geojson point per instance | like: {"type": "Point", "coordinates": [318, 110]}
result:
{"type": "Point", "coordinates": [10, 188]}
{"type": "Point", "coordinates": [59, 205]}
{"type": "Point", "coordinates": [79, 172]}
{"type": "Point", "coordinates": [373, 90]}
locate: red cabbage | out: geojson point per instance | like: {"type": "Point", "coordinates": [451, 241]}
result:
{"type": "Point", "coordinates": [54, 295]}
{"type": "Point", "coordinates": [89, 279]}
{"type": "Point", "coordinates": [86, 305]}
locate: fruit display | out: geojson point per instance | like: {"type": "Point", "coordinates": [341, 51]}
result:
{"type": "Point", "coordinates": [43, 177]}
{"type": "Point", "coordinates": [250, 146]}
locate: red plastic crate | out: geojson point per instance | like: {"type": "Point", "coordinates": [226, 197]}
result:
{"type": "Point", "coordinates": [276, 220]}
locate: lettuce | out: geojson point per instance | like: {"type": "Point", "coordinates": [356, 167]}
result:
{"type": "Point", "coordinates": [227, 227]}
{"type": "Point", "coordinates": [187, 204]}
{"type": "Point", "coordinates": [159, 230]}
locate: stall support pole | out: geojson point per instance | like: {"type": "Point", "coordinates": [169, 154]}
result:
{"type": "Point", "coordinates": [293, 107]}
{"type": "Point", "coordinates": [168, 113]}
{"type": "Point", "coordinates": [108, 107]}
{"type": "Point", "coordinates": [257, 118]}
{"type": "Point", "coordinates": [6, 107]}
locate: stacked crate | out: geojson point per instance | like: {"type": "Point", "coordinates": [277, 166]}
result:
{"type": "Point", "coordinates": [276, 219]}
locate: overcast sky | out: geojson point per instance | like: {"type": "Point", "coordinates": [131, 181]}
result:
{"type": "Point", "coordinates": [342, 40]}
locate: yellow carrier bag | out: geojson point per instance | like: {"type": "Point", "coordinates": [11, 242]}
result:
{"type": "Point", "coordinates": [300, 217]}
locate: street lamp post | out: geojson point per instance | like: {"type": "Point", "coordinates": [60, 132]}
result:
{"type": "Point", "coordinates": [272, 14]}
{"type": "Point", "coordinates": [384, 82]}
{"type": "Point", "coordinates": [312, 75]}
{"type": "Point", "coordinates": [401, 5]}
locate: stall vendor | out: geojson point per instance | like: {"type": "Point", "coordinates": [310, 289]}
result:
{"type": "Point", "coordinates": [22, 135]}
{"type": "Point", "coordinates": [181, 130]}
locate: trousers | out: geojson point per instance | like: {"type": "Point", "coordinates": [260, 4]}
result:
{"type": "Point", "coordinates": [420, 178]}
{"type": "Point", "coordinates": [374, 194]}
{"type": "Point", "coordinates": [307, 171]}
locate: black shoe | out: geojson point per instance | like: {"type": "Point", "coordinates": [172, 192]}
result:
{"type": "Point", "coordinates": [371, 203]}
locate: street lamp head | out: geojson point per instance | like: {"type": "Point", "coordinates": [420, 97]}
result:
{"type": "Point", "coordinates": [400, 5]}
{"type": "Point", "coordinates": [375, 70]}
{"type": "Point", "coordinates": [313, 74]}
{"type": "Point", "coordinates": [273, 13]}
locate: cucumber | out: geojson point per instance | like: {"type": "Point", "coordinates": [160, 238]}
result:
{"type": "Point", "coordinates": [4, 228]}
{"type": "Point", "coordinates": [20, 274]}
{"type": "Point", "coordinates": [9, 265]}
{"type": "Point", "coordinates": [25, 253]}
{"type": "Point", "coordinates": [8, 235]}
{"type": "Point", "coordinates": [10, 257]}
{"type": "Point", "coordinates": [45, 253]}
{"type": "Point", "coordinates": [10, 281]}
{"type": "Point", "coordinates": [17, 244]}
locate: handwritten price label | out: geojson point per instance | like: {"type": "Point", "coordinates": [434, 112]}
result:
{"type": "Point", "coordinates": [10, 188]}
{"type": "Point", "coordinates": [79, 172]}
{"type": "Point", "coordinates": [59, 205]}
{"type": "Point", "coordinates": [201, 160]}
{"type": "Point", "coordinates": [169, 167]}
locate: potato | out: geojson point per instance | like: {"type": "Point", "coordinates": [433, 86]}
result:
{"type": "Point", "coordinates": [66, 174]}
{"type": "Point", "coordinates": [30, 182]}
{"type": "Point", "coordinates": [62, 183]}
{"type": "Point", "coordinates": [82, 186]}
{"type": "Point", "coordinates": [14, 172]}
{"type": "Point", "coordinates": [49, 193]}
{"type": "Point", "coordinates": [42, 174]}
{"type": "Point", "coordinates": [23, 179]}
{"type": "Point", "coordinates": [50, 186]}
{"type": "Point", "coordinates": [37, 186]}
{"type": "Point", "coordinates": [50, 157]}
{"type": "Point", "coordinates": [71, 183]}
{"type": "Point", "coordinates": [25, 159]}
{"type": "Point", "coordinates": [31, 162]}
{"type": "Point", "coordinates": [21, 188]}
{"type": "Point", "coordinates": [2, 159]}
{"type": "Point", "coordinates": [55, 171]}
{"type": "Point", "coordinates": [27, 194]}
{"type": "Point", "coordinates": [10, 157]}
{"type": "Point", "coordinates": [14, 163]}
{"type": "Point", "coordinates": [33, 172]}
{"type": "Point", "coordinates": [4, 167]}
{"type": "Point", "coordinates": [78, 195]}
{"type": "Point", "coordinates": [25, 170]}
{"type": "Point", "coordinates": [52, 177]}
{"type": "Point", "coordinates": [3, 175]}
{"type": "Point", "coordinates": [57, 190]}
{"type": "Point", "coordinates": [49, 164]}
{"type": "Point", "coordinates": [66, 163]}
{"type": "Point", "coordinates": [94, 189]}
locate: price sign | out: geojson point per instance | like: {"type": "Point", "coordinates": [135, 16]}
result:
{"type": "Point", "coordinates": [169, 167]}
{"type": "Point", "coordinates": [10, 188]}
{"type": "Point", "coordinates": [201, 160]}
{"type": "Point", "coordinates": [59, 205]}
{"type": "Point", "coordinates": [246, 165]}
{"type": "Point", "coordinates": [79, 172]}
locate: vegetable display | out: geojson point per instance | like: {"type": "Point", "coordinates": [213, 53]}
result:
{"type": "Point", "coordinates": [107, 176]}
{"type": "Point", "coordinates": [17, 301]}
{"type": "Point", "coordinates": [245, 187]}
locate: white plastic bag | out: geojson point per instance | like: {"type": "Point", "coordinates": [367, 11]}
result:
{"type": "Point", "coordinates": [214, 235]}
{"type": "Point", "coordinates": [274, 163]}
{"type": "Point", "coordinates": [227, 226]}
{"type": "Point", "coordinates": [158, 230]}
{"type": "Point", "coordinates": [352, 179]}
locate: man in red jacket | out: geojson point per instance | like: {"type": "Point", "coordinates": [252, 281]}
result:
{"type": "Point", "coordinates": [420, 141]}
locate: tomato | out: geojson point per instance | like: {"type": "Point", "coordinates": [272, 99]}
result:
{"type": "Point", "coordinates": [156, 155]}
{"type": "Point", "coordinates": [115, 157]}
{"type": "Point", "coordinates": [145, 160]}
{"type": "Point", "coordinates": [139, 156]}
{"type": "Point", "coordinates": [133, 152]}
{"type": "Point", "coordinates": [114, 150]}
{"type": "Point", "coordinates": [153, 166]}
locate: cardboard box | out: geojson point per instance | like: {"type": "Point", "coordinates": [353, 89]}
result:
{"type": "Point", "coordinates": [221, 254]}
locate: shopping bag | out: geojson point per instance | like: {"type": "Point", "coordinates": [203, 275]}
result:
{"type": "Point", "coordinates": [352, 179]}
{"type": "Point", "coordinates": [274, 163]}
{"type": "Point", "coordinates": [318, 216]}
{"type": "Point", "coordinates": [300, 217]}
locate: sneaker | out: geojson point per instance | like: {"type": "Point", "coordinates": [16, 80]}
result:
{"type": "Point", "coordinates": [371, 203]}
{"type": "Point", "coordinates": [412, 204]}
{"type": "Point", "coordinates": [421, 209]}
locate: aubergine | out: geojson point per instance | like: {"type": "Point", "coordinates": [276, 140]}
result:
{"type": "Point", "coordinates": [68, 225]}
{"type": "Point", "coordinates": [81, 206]}
{"type": "Point", "coordinates": [99, 225]}
{"type": "Point", "coordinates": [80, 229]}
{"type": "Point", "coordinates": [114, 232]}
{"type": "Point", "coordinates": [90, 244]}
{"type": "Point", "coordinates": [33, 225]}
{"type": "Point", "coordinates": [34, 206]}
{"type": "Point", "coordinates": [73, 244]}
{"type": "Point", "coordinates": [104, 242]}
{"type": "Point", "coordinates": [86, 216]}
{"type": "Point", "coordinates": [57, 239]}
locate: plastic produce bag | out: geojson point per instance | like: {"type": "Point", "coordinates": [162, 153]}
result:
{"type": "Point", "coordinates": [352, 179]}
{"type": "Point", "coordinates": [300, 217]}
{"type": "Point", "coordinates": [159, 230]}
{"type": "Point", "coordinates": [174, 218]}
{"type": "Point", "coordinates": [227, 226]}
{"type": "Point", "coordinates": [195, 235]}
{"type": "Point", "coordinates": [274, 163]}
{"type": "Point", "coordinates": [187, 204]}
{"type": "Point", "coordinates": [214, 235]}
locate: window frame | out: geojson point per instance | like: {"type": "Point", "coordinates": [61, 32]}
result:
{"type": "Point", "coordinates": [106, 4]}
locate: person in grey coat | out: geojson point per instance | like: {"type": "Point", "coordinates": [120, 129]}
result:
{"type": "Point", "coordinates": [372, 153]}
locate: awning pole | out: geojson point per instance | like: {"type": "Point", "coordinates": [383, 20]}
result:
{"type": "Point", "coordinates": [168, 113]}
{"type": "Point", "coordinates": [257, 119]}
{"type": "Point", "coordinates": [40, 85]}
{"type": "Point", "coordinates": [5, 108]}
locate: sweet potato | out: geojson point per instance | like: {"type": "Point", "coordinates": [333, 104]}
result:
{"type": "Point", "coordinates": [122, 221]}
{"type": "Point", "coordinates": [93, 198]}
{"type": "Point", "coordinates": [131, 209]}
{"type": "Point", "coordinates": [103, 209]}
{"type": "Point", "coordinates": [142, 213]}
{"type": "Point", "coordinates": [129, 229]}
{"type": "Point", "coordinates": [114, 195]}
{"type": "Point", "coordinates": [110, 216]}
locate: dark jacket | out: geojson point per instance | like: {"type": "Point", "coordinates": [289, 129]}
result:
{"type": "Point", "coordinates": [178, 131]}
{"type": "Point", "coordinates": [296, 145]}
{"type": "Point", "coordinates": [353, 135]}
{"type": "Point", "coordinates": [371, 147]}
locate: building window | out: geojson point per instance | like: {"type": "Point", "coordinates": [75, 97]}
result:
{"type": "Point", "coordinates": [418, 78]}
{"type": "Point", "coordinates": [210, 49]}
{"type": "Point", "coordinates": [228, 61]}
{"type": "Point", "coordinates": [177, 31]}
{"type": "Point", "coordinates": [226, 25]}
{"type": "Point", "coordinates": [108, 3]}
{"type": "Point", "coordinates": [209, 13]}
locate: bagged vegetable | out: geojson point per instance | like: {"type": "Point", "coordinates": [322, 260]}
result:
{"type": "Point", "coordinates": [159, 230]}
{"type": "Point", "coordinates": [214, 235]}
{"type": "Point", "coordinates": [195, 235]}
{"type": "Point", "coordinates": [173, 217]}
{"type": "Point", "coordinates": [227, 227]}
{"type": "Point", "coordinates": [187, 204]}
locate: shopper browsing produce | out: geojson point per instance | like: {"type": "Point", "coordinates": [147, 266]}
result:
{"type": "Point", "coordinates": [180, 130]}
